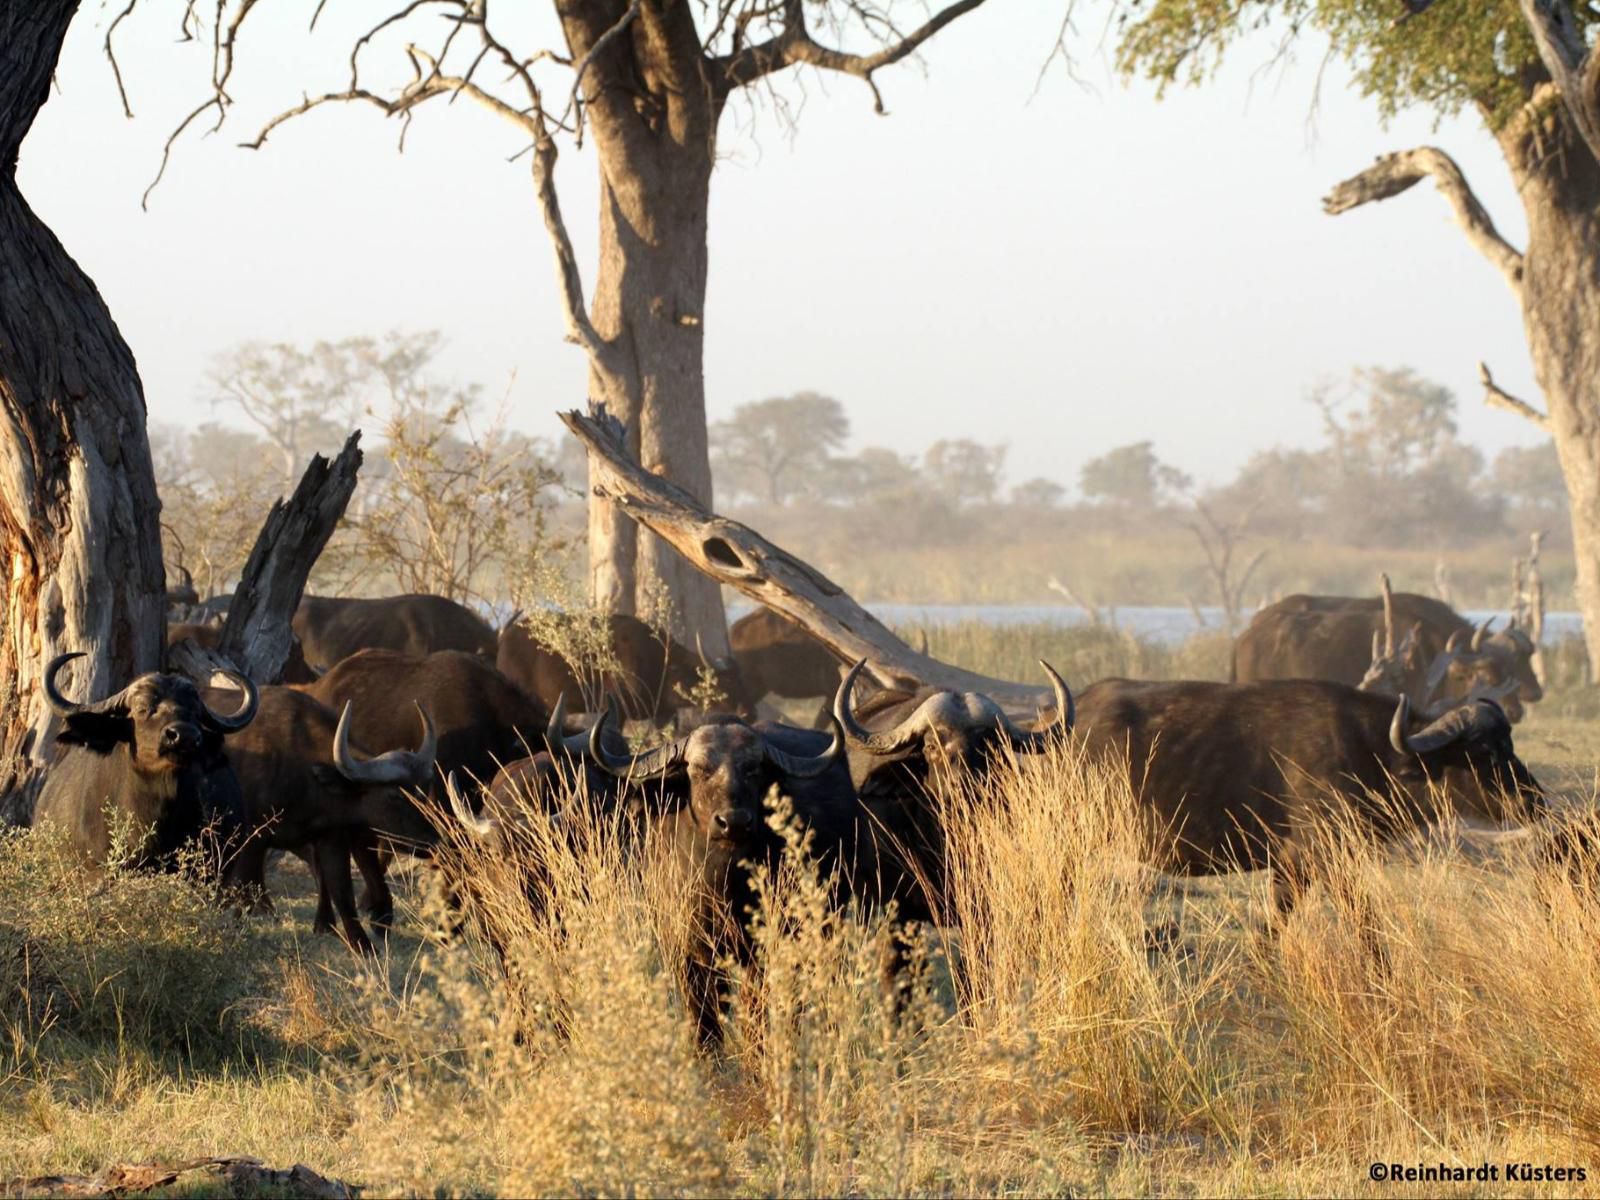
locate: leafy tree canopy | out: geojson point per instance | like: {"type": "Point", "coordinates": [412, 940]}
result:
{"type": "Point", "coordinates": [1454, 54]}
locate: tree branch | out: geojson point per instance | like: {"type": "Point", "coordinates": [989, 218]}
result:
{"type": "Point", "coordinates": [795, 45]}
{"type": "Point", "coordinates": [738, 556]}
{"type": "Point", "coordinates": [1496, 397]}
{"type": "Point", "coordinates": [1395, 173]}
{"type": "Point", "coordinates": [1572, 65]}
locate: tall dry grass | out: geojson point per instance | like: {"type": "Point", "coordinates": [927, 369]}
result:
{"type": "Point", "coordinates": [1043, 1046]}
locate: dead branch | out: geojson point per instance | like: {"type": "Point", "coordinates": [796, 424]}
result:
{"type": "Point", "coordinates": [1497, 397]}
{"type": "Point", "coordinates": [256, 637]}
{"type": "Point", "coordinates": [237, 1175]}
{"type": "Point", "coordinates": [1096, 616]}
{"type": "Point", "coordinates": [736, 555]}
{"type": "Point", "coordinates": [794, 45]}
{"type": "Point", "coordinates": [1395, 173]}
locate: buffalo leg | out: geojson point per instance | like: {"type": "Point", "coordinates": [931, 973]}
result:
{"type": "Point", "coordinates": [376, 901]}
{"type": "Point", "coordinates": [333, 868]}
{"type": "Point", "coordinates": [372, 862]}
{"type": "Point", "coordinates": [322, 922]}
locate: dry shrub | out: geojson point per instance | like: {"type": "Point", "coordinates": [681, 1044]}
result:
{"type": "Point", "coordinates": [148, 963]}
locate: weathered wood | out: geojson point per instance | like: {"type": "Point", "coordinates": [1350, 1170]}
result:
{"type": "Point", "coordinates": [79, 516]}
{"type": "Point", "coordinates": [736, 555]}
{"type": "Point", "coordinates": [256, 637]}
{"type": "Point", "coordinates": [237, 1175]}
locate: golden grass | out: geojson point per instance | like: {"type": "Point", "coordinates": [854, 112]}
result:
{"type": "Point", "coordinates": [1044, 1048]}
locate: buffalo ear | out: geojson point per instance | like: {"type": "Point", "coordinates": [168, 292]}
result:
{"type": "Point", "coordinates": [97, 731]}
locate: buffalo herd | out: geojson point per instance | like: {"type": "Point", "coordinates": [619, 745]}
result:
{"type": "Point", "coordinates": [406, 722]}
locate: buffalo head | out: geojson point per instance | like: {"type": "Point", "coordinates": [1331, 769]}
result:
{"type": "Point", "coordinates": [162, 719]}
{"type": "Point", "coordinates": [1468, 753]}
{"type": "Point", "coordinates": [728, 766]}
{"type": "Point", "coordinates": [951, 727]}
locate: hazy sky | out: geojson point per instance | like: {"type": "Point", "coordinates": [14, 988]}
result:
{"type": "Point", "coordinates": [1067, 273]}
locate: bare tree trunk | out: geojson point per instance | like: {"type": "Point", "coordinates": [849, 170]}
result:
{"type": "Point", "coordinates": [1559, 182]}
{"type": "Point", "coordinates": [79, 516]}
{"type": "Point", "coordinates": [654, 122]}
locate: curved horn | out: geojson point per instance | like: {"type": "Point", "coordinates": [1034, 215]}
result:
{"type": "Point", "coordinates": [1453, 643]}
{"type": "Point", "coordinates": [246, 711]}
{"type": "Point", "coordinates": [397, 766]}
{"type": "Point", "coordinates": [1377, 647]}
{"type": "Point", "coordinates": [1478, 634]}
{"type": "Point", "coordinates": [58, 702]}
{"type": "Point", "coordinates": [1033, 741]}
{"type": "Point", "coordinates": [555, 730]}
{"type": "Point", "coordinates": [638, 768]}
{"type": "Point", "coordinates": [1397, 726]}
{"type": "Point", "coordinates": [797, 767]}
{"type": "Point", "coordinates": [1447, 729]}
{"type": "Point", "coordinates": [890, 741]}
{"type": "Point", "coordinates": [479, 827]}
{"type": "Point", "coordinates": [1388, 614]}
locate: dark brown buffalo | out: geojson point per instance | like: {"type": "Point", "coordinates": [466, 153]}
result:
{"type": "Point", "coordinates": [1332, 638]}
{"type": "Point", "coordinates": [208, 635]}
{"type": "Point", "coordinates": [153, 754]}
{"type": "Point", "coordinates": [653, 678]}
{"type": "Point", "coordinates": [332, 628]}
{"type": "Point", "coordinates": [1243, 776]}
{"type": "Point", "coordinates": [712, 827]}
{"type": "Point", "coordinates": [912, 743]}
{"type": "Point", "coordinates": [483, 720]}
{"type": "Point", "coordinates": [307, 787]}
{"type": "Point", "coordinates": [776, 657]}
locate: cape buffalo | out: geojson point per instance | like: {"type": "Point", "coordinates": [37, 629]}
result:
{"type": "Point", "coordinates": [1331, 637]}
{"type": "Point", "coordinates": [1240, 776]}
{"type": "Point", "coordinates": [483, 720]}
{"type": "Point", "coordinates": [332, 628]}
{"type": "Point", "coordinates": [909, 741]}
{"type": "Point", "coordinates": [777, 657]}
{"type": "Point", "coordinates": [307, 787]}
{"type": "Point", "coordinates": [714, 829]}
{"type": "Point", "coordinates": [652, 678]}
{"type": "Point", "coordinates": [152, 755]}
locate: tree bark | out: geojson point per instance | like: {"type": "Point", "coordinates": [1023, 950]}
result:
{"type": "Point", "coordinates": [1558, 180]}
{"type": "Point", "coordinates": [79, 516]}
{"type": "Point", "coordinates": [654, 118]}
{"type": "Point", "coordinates": [257, 637]}
{"type": "Point", "coordinates": [734, 554]}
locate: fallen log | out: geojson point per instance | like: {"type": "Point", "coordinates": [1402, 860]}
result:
{"type": "Point", "coordinates": [735, 554]}
{"type": "Point", "coordinates": [256, 636]}
{"type": "Point", "coordinates": [240, 1175]}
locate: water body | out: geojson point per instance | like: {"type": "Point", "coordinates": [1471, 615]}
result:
{"type": "Point", "coordinates": [1168, 626]}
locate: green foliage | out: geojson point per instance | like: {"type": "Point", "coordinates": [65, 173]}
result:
{"type": "Point", "coordinates": [1454, 55]}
